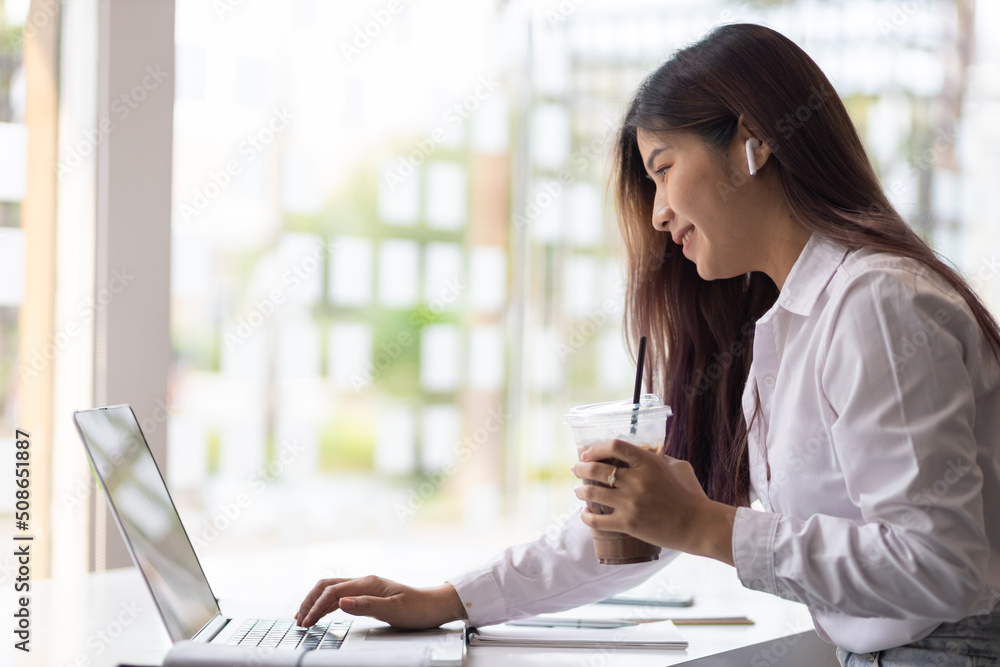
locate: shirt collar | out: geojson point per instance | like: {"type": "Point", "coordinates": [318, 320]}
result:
{"type": "Point", "coordinates": [814, 268]}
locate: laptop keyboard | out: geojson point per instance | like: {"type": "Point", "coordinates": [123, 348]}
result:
{"type": "Point", "coordinates": [285, 634]}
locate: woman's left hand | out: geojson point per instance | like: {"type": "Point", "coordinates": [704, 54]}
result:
{"type": "Point", "coordinates": [657, 499]}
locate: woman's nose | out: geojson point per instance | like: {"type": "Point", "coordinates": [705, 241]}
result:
{"type": "Point", "coordinates": [662, 215]}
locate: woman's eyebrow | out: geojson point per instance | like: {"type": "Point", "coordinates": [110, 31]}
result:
{"type": "Point", "coordinates": [652, 156]}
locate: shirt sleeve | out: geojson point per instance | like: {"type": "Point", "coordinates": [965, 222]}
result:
{"type": "Point", "coordinates": [897, 385]}
{"type": "Point", "coordinates": [557, 571]}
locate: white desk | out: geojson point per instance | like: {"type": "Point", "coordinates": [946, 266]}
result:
{"type": "Point", "coordinates": [109, 618]}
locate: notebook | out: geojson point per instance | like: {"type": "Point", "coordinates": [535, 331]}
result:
{"type": "Point", "coordinates": [202, 635]}
{"type": "Point", "coordinates": [661, 635]}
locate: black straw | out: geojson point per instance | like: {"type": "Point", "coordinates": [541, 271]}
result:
{"type": "Point", "coordinates": [638, 370]}
{"type": "Point", "coordinates": [638, 383]}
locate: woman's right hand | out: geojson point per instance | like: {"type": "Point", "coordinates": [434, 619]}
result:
{"type": "Point", "coordinates": [398, 605]}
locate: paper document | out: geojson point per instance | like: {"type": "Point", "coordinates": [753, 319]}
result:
{"type": "Point", "coordinates": [661, 635]}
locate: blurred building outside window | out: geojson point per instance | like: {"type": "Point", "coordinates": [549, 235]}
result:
{"type": "Point", "coordinates": [418, 275]}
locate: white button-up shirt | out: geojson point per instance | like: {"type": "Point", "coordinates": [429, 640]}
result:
{"type": "Point", "coordinates": [875, 457]}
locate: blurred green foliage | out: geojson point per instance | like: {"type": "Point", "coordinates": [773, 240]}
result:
{"type": "Point", "coordinates": [347, 442]}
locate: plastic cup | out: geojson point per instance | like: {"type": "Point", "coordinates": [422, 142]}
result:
{"type": "Point", "coordinates": [619, 420]}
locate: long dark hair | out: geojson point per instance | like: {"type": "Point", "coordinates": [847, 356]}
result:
{"type": "Point", "coordinates": [701, 332]}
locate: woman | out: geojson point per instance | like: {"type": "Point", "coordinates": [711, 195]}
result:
{"type": "Point", "coordinates": [866, 368]}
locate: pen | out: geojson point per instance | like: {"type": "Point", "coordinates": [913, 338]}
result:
{"type": "Point", "coordinates": [649, 602]}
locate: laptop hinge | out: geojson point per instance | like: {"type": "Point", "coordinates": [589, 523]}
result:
{"type": "Point", "coordinates": [211, 629]}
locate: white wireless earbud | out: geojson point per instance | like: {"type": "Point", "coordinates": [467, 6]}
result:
{"type": "Point", "coordinates": [751, 160]}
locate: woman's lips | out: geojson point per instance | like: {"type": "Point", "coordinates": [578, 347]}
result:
{"type": "Point", "coordinates": [686, 240]}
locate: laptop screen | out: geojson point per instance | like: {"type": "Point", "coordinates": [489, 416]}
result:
{"type": "Point", "coordinates": [147, 518]}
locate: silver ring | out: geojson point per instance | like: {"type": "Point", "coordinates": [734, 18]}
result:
{"type": "Point", "coordinates": [611, 477]}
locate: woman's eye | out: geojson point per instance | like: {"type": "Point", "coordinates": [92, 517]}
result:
{"type": "Point", "coordinates": [658, 173]}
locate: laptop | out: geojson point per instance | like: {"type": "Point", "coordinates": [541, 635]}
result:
{"type": "Point", "coordinates": [161, 549]}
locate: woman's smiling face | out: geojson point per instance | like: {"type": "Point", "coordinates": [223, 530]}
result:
{"type": "Point", "coordinates": [699, 198]}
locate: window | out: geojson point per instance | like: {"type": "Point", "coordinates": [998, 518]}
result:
{"type": "Point", "coordinates": [402, 252]}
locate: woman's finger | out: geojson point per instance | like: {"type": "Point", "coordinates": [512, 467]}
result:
{"type": "Point", "coordinates": [312, 596]}
{"type": "Point", "coordinates": [610, 522]}
{"type": "Point", "coordinates": [616, 449]}
{"type": "Point", "coordinates": [597, 494]}
{"type": "Point", "coordinates": [329, 599]}
{"type": "Point", "coordinates": [594, 470]}
{"type": "Point", "coordinates": [323, 605]}
{"type": "Point", "coordinates": [377, 607]}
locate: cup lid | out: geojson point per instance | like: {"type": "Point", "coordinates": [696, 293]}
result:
{"type": "Point", "coordinates": [650, 407]}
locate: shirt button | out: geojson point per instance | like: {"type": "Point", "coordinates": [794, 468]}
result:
{"type": "Point", "coordinates": [769, 381]}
